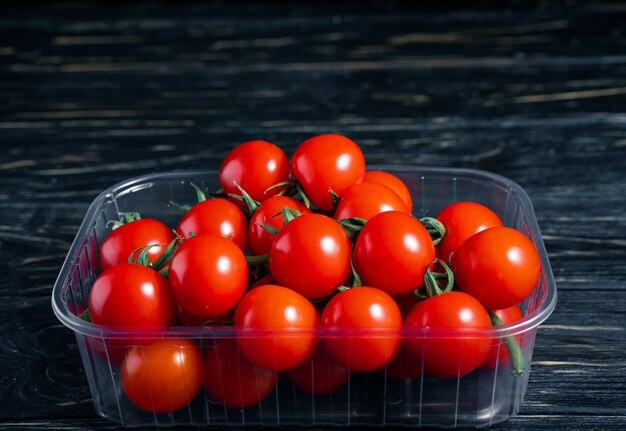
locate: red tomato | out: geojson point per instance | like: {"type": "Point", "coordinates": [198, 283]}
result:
{"type": "Point", "coordinates": [362, 309]}
{"type": "Point", "coordinates": [499, 354]}
{"type": "Point", "coordinates": [232, 380]}
{"type": "Point", "coordinates": [393, 182]}
{"type": "Point", "coordinates": [392, 252]}
{"type": "Point", "coordinates": [326, 162]}
{"type": "Point", "coordinates": [449, 354]}
{"type": "Point", "coordinates": [319, 374]}
{"type": "Point", "coordinates": [289, 320]}
{"type": "Point", "coordinates": [163, 375]}
{"type": "Point", "coordinates": [124, 240]}
{"type": "Point", "coordinates": [218, 217]}
{"type": "Point", "coordinates": [131, 295]}
{"type": "Point", "coordinates": [311, 255]}
{"type": "Point", "coordinates": [208, 275]}
{"type": "Point", "coordinates": [462, 220]}
{"type": "Point", "coordinates": [255, 166]}
{"type": "Point", "coordinates": [498, 266]}
{"type": "Point", "coordinates": [269, 212]}
{"type": "Point", "coordinates": [365, 200]}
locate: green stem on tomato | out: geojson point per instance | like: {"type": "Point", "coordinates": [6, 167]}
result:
{"type": "Point", "coordinates": [258, 260]}
{"type": "Point", "coordinates": [431, 284]}
{"type": "Point", "coordinates": [129, 217]}
{"type": "Point", "coordinates": [512, 345]}
{"type": "Point", "coordinates": [435, 228]}
{"type": "Point", "coordinates": [305, 198]}
{"type": "Point", "coordinates": [199, 192]}
{"type": "Point", "coordinates": [180, 207]}
{"type": "Point", "coordinates": [167, 254]}
{"type": "Point", "coordinates": [335, 198]}
{"type": "Point", "coordinates": [356, 281]}
{"type": "Point", "coordinates": [289, 214]}
{"type": "Point", "coordinates": [288, 183]}
{"type": "Point", "coordinates": [245, 197]}
{"type": "Point", "coordinates": [352, 226]}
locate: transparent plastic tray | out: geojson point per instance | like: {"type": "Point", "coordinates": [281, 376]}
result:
{"type": "Point", "coordinates": [484, 397]}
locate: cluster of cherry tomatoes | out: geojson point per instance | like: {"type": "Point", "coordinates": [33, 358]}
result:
{"type": "Point", "coordinates": [322, 269]}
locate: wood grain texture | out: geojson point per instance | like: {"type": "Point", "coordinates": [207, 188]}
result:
{"type": "Point", "coordinates": [94, 93]}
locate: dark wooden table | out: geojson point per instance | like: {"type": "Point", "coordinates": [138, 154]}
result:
{"type": "Point", "coordinates": [93, 93]}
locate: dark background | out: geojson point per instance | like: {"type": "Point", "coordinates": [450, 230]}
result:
{"type": "Point", "coordinates": [93, 93]}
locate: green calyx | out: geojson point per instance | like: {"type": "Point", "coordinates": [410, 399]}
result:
{"type": "Point", "coordinates": [124, 218]}
{"type": "Point", "coordinates": [435, 228]}
{"type": "Point", "coordinates": [432, 285]}
{"type": "Point", "coordinates": [140, 255]}
{"type": "Point", "coordinates": [352, 226]}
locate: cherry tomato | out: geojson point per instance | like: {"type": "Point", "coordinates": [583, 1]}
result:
{"type": "Point", "coordinates": [129, 294]}
{"type": "Point", "coordinates": [124, 240]}
{"type": "Point", "coordinates": [255, 166]}
{"type": "Point", "coordinates": [327, 162]}
{"type": "Point", "coordinates": [365, 200]}
{"type": "Point", "coordinates": [498, 266]}
{"type": "Point", "coordinates": [392, 252]}
{"type": "Point", "coordinates": [319, 374]}
{"type": "Point", "coordinates": [232, 380]}
{"type": "Point", "coordinates": [449, 354]}
{"type": "Point", "coordinates": [286, 321]}
{"type": "Point", "coordinates": [269, 212]}
{"type": "Point", "coordinates": [218, 217]}
{"type": "Point", "coordinates": [462, 220]}
{"type": "Point", "coordinates": [499, 354]}
{"type": "Point", "coordinates": [362, 309]}
{"type": "Point", "coordinates": [311, 255]}
{"type": "Point", "coordinates": [163, 375]}
{"type": "Point", "coordinates": [208, 275]}
{"type": "Point", "coordinates": [393, 182]}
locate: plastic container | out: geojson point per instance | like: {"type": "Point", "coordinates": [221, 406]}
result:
{"type": "Point", "coordinates": [484, 397]}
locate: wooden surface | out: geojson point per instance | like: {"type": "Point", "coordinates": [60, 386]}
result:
{"type": "Point", "coordinates": [93, 93]}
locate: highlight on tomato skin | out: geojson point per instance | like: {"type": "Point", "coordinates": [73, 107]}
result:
{"type": "Point", "coordinates": [462, 220]}
{"type": "Point", "coordinates": [255, 166]}
{"type": "Point", "coordinates": [122, 241]}
{"type": "Point", "coordinates": [499, 266]}
{"type": "Point", "coordinates": [393, 182]}
{"type": "Point", "coordinates": [327, 162]}
{"type": "Point", "coordinates": [231, 379]}
{"type": "Point", "coordinates": [162, 375]}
